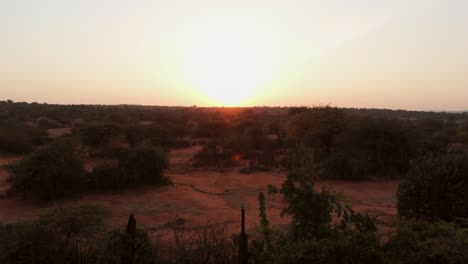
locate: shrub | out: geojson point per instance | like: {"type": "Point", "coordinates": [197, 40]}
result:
{"type": "Point", "coordinates": [213, 154]}
{"type": "Point", "coordinates": [314, 237]}
{"type": "Point", "coordinates": [106, 177]}
{"type": "Point", "coordinates": [18, 138]}
{"type": "Point", "coordinates": [121, 247]}
{"type": "Point", "coordinates": [97, 136]}
{"type": "Point", "coordinates": [47, 123]}
{"type": "Point", "coordinates": [340, 166]}
{"type": "Point", "coordinates": [144, 165]}
{"type": "Point", "coordinates": [63, 235]}
{"type": "Point", "coordinates": [138, 166]}
{"type": "Point", "coordinates": [203, 245]}
{"type": "Point", "coordinates": [435, 187]}
{"type": "Point", "coordinates": [423, 242]}
{"type": "Point", "coordinates": [51, 172]}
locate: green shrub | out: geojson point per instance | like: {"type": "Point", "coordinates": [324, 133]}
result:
{"type": "Point", "coordinates": [426, 243]}
{"type": "Point", "coordinates": [435, 187]}
{"type": "Point", "coordinates": [314, 236]}
{"type": "Point", "coordinates": [51, 172]}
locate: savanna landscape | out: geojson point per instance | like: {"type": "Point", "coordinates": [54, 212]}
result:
{"type": "Point", "coordinates": [185, 172]}
{"type": "Point", "coordinates": [234, 132]}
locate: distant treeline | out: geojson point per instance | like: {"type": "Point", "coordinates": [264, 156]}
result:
{"type": "Point", "coordinates": [346, 143]}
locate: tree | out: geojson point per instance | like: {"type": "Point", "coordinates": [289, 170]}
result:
{"type": "Point", "coordinates": [371, 147]}
{"type": "Point", "coordinates": [318, 127]}
{"type": "Point", "coordinates": [51, 172]}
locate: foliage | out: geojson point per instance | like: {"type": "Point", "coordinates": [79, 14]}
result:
{"type": "Point", "coordinates": [63, 235]}
{"type": "Point", "coordinates": [371, 147]}
{"type": "Point", "coordinates": [97, 136]}
{"type": "Point", "coordinates": [51, 172]}
{"type": "Point", "coordinates": [318, 127]}
{"type": "Point", "coordinates": [121, 247]}
{"type": "Point", "coordinates": [262, 210]}
{"type": "Point", "coordinates": [203, 245]}
{"type": "Point", "coordinates": [435, 187]}
{"type": "Point", "coordinates": [425, 242]}
{"type": "Point", "coordinates": [144, 165]}
{"type": "Point", "coordinates": [138, 166]}
{"type": "Point", "coordinates": [314, 237]}
{"type": "Point", "coordinates": [213, 154]}
{"type": "Point", "coordinates": [19, 138]}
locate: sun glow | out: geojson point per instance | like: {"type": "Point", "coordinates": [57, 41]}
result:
{"type": "Point", "coordinates": [228, 61]}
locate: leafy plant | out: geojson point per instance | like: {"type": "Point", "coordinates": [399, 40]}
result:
{"type": "Point", "coordinates": [435, 187]}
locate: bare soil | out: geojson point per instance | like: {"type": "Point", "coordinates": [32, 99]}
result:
{"type": "Point", "coordinates": [202, 196]}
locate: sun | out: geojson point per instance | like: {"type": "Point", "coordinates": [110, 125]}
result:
{"type": "Point", "coordinates": [227, 61]}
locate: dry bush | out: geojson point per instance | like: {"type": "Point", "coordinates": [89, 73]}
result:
{"type": "Point", "coordinates": [202, 244]}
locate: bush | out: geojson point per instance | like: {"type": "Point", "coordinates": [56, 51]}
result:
{"type": "Point", "coordinates": [203, 245]}
{"type": "Point", "coordinates": [435, 187]}
{"type": "Point", "coordinates": [18, 138]}
{"type": "Point", "coordinates": [142, 165]}
{"type": "Point", "coordinates": [213, 154]}
{"type": "Point", "coordinates": [424, 242]}
{"type": "Point", "coordinates": [51, 172]}
{"type": "Point", "coordinates": [106, 177]}
{"type": "Point", "coordinates": [340, 166]}
{"type": "Point", "coordinates": [314, 236]}
{"type": "Point", "coordinates": [63, 235]}
{"type": "Point", "coordinates": [121, 247]}
{"type": "Point", "coordinates": [97, 137]}
{"type": "Point", "coordinates": [47, 123]}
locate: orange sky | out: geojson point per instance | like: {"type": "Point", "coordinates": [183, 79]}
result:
{"type": "Point", "coordinates": [364, 53]}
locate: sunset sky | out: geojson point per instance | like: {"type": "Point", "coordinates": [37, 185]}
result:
{"type": "Point", "coordinates": [405, 54]}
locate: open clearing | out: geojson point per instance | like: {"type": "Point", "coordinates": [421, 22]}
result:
{"type": "Point", "coordinates": [202, 197]}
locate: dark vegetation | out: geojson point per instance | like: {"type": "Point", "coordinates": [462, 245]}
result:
{"type": "Point", "coordinates": [426, 151]}
{"type": "Point", "coordinates": [435, 187]}
{"type": "Point", "coordinates": [322, 229]}
{"type": "Point", "coordinates": [19, 138]}
{"type": "Point", "coordinates": [51, 172]}
{"type": "Point", "coordinates": [345, 143]}
{"type": "Point", "coordinates": [139, 166]}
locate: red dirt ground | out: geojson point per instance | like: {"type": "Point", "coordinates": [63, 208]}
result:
{"type": "Point", "coordinates": [202, 197]}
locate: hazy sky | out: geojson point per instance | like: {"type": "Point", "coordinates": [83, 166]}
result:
{"type": "Point", "coordinates": [410, 54]}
